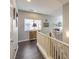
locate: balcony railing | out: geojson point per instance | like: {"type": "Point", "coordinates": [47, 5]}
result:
{"type": "Point", "coordinates": [51, 47]}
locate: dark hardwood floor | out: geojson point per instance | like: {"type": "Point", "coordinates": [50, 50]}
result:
{"type": "Point", "coordinates": [28, 50]}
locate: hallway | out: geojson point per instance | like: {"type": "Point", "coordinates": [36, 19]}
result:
{"type": "Point", "coordinates": [47, 21]}
{"type": "Point", "coordinates": [28, 50]}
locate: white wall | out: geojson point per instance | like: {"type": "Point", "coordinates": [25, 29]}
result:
{"type": "Point", "coordinates": [13, 32]}
{"type": "Point", "coordinates": [54, 19]}
{"type": "Point", "coordinates": [57, 17]}
{"type": "Point", "coordinates": [24, 35]}
{"type": "Point", "coordinates": [66, 22]}
{"type": "Point", "coordinates": [62, 15]}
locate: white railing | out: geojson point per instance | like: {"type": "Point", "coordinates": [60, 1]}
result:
{"type": "Point", "coordinates": [55, 49]}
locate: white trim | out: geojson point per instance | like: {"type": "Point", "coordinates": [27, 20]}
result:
{"type": "Point", "coordinates": [66, 44]}
{"type": "Point", "coordinates": [43, 52]}
{"type": "Point", "coordinates": [23, 40]}
{"type": "Point", "coordinates": [11, 5]}
{"type": "Point", "coordinates": [16, 52]}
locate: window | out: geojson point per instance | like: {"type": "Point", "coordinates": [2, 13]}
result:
{"type": "Point", "coordinates": [32, 25]}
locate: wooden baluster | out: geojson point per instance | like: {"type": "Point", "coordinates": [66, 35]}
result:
{"type": "Point", "coordinates": [55, 51]}
{"type": "Point", "coordinates": [60, 57]}
{"type": "Point", "coordinates": [53, 48]}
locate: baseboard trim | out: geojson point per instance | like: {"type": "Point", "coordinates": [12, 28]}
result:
{"type": "Point", "coordinates": [33, 39]}
{"type": "Point", "coordinates": [42, 51]}
{"type": "Point", "coordinates": [23, 40]}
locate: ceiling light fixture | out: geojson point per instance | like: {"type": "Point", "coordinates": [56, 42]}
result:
{"type": "Point", "coordinates": [28, 0]}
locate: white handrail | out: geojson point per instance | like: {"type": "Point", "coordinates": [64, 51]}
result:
{"type": "Point", "coordinates": [54, 39]}
{"type": "Point", "coordinates": [55, 49]}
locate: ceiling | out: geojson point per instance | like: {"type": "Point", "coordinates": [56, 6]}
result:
{"type": "Point", "coordinates": [41, 6]}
